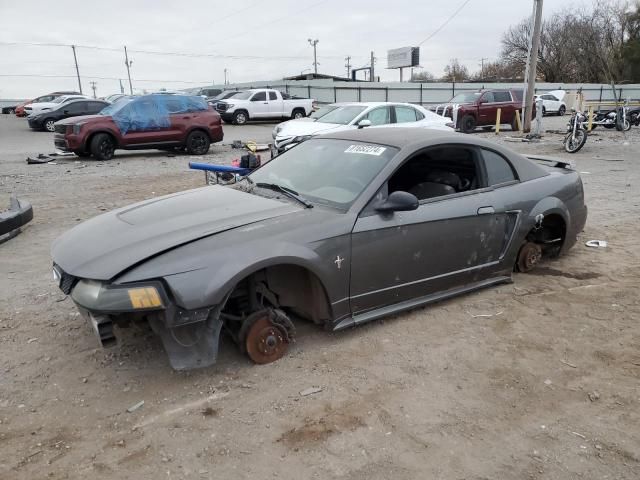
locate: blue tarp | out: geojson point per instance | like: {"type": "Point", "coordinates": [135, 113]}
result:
{"type": "Point", "coordinates": [151, 112]}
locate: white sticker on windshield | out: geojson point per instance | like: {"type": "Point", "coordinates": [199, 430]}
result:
{"type": "Point", "coordinates": [366, 149]}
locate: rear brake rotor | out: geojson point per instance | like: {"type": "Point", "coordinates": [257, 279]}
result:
{"type": "Point", "coordinates": [265, 342]}
{"type": "Point", "coordinates": [529, 256]}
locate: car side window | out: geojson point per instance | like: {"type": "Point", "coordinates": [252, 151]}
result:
{"type": "Point", "coordinates": [438, 172]}
{"type": "Point", "coordinates": [488, 97]}
{"type": "Point", "coordinates": [498, 169]}
{"type": "Point", "coordinates": [501, 97]}
{"type": "Point", "coordinates": [273, 96]}
{"type": "Point", "coordinates": [379, 116]}
{"type": "Point", "coordinates": [76, 107]}
{"type": "Point", "coordinates": [405, 114]}
{"type": "Point", "coordinates": [96, 106]}
{"type": "Point", "coordinates": [259, 97]}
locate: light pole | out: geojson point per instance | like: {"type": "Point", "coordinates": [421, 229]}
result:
{"type": "Point", "coordinates": [313, 43]}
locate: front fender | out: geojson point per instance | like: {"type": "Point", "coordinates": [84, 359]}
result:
{"type": "Point", "coordinates": [220, 279]}
{"type": "Point", "coordinates": [549, 206]}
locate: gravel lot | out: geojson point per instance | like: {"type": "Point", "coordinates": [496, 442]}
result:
{"type": "Point", "coordinates": [535, 380]}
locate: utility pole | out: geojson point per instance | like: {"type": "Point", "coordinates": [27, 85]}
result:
{"type": "Point", "coordinates": [313, 43]}
{"type": "Point", "coordinates": [75, 59]}
{"type": "Point", "coordinates": [348, 65]}
{"type": "Point", "coordinates": [533, 64]}
{"type": "Point", "coordinates": [372, 77]}
{"type": "Point", "coordinates": [482, 68]}
{"type": "Point", "coordinates": [121, 86]}
{"type": "Point", "coordinates": [128, 64]}
{"type": "Point", "coordinates": [226, 81]}
{"type": "Point", "coordinates": [93, 87]}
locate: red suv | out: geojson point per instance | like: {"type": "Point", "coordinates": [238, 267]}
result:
{"type": "Point", "coordinates": [480, 109]}
{"type": "Point", "coordinates": [164, 122]}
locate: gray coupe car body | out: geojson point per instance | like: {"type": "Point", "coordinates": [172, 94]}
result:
{"type": "Point", "coordinates": [216, 255]}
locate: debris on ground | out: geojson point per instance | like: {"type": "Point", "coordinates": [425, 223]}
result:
{"type": "Point", "coordinates": [17, 215]}
{"type": "Point", "coordinates": [593, 396]}
{"type": "Point", "coordinates": [596, 243]}
{"type": "Point", "coordinates": [310, 391]}
{"type": "Point", "coordinates": [135, 407]}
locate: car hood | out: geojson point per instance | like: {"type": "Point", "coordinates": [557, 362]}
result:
{"type": "Point", "coordinates": [295, 129]}
{"type": "Point", "coordinates": [81, 119]}
{"type": "Point", "coordinates": [559, 94]}
{"type": "Point", "coordinates": [108, 244]}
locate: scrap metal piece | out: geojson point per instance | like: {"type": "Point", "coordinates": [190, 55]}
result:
{"type": "Point", "coordinates": [19, 213]}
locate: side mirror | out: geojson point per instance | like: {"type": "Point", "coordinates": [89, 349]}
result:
{"type": "Point", "coordinates": [364, 123]}
{"type": "Point", "coordinates": [399, 201]}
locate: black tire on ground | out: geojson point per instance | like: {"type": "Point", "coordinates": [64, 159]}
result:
{"type": "Point", "coordinates": [468, 123]}
{"type": "Point", "coordinates": [49, 125]}
{"type": "Point", "coordinates": [298, 113]}
{"type": "Point", "coordinates": [240, 118]}
{"type": "Point", "coordinates": [514, 123]}
{"type": "Point", "coordinates": [103, 146]}
{"type": "Point", "coordinates": [81, 153]}
{"type": "Point", "coordinates": [544, 111]}
{"type": "Point", "coordinates": [197, 143]}
{"type": "Point", "coordinates": [562, 110]}
{"type": "Point", "coordinates": [487, 128]}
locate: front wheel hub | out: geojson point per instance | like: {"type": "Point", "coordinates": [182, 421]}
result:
{"type": "Point", "coordinates": [266, 342]}
{"type": "Point", "coordinates": [529, 256]}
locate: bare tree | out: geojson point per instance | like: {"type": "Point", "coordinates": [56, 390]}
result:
{"type": "Point", "coordinates": [455, 72]}
{"type": "Point", "coordinates": [422, 76]}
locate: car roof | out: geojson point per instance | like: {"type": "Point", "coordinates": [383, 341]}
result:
{"type": "Point", "coordinates": [372, 104]}
{"type": "Point", "coordinates": [412, 139]}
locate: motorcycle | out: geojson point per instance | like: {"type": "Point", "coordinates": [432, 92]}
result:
{"type": "Point", "coordinates": [609, 119]}
{"type": "Point", "coordinates": [576, 135]}
{"type": "Point", "coordinates": [633, 114]}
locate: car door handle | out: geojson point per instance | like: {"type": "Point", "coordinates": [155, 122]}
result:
{"type": "Point", "coordinates": [486, 210]}
{"type": "Point", "coordinates": [266, 103]}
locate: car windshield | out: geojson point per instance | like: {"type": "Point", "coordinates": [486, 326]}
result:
{"type": "Point", "coordinates": [326, 171]}
{"type": "Point", "coordinates": [322, 111]}
{"type": "Point", "coordinates": [342, 115]}
{"type": "Point", "coordinates": [465, 97]}
{"type": "Point", "coordinates": [243, 95]}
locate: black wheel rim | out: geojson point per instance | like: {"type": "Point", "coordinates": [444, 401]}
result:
{"type": "Point", "coordinates": [198, 144]}
{"type": "Point", "coordinates": [106, 148]}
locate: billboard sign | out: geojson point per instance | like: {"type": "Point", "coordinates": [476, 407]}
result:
{"type": "Point", "coordinates": [403, 57]}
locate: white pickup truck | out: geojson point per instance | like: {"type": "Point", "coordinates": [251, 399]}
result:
{"type": "Point", "coordinates": [262, 104]}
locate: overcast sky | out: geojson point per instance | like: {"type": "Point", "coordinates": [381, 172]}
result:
{"type": "Point", "coordinates": [258, 33]}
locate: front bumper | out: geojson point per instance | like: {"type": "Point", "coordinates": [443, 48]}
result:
{"type": "Point", "coordinates": [34, 123]}
{"type": "Point", "coordinates": [190, 337]}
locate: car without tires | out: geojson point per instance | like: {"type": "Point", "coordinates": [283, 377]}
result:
{"type": "Point", "coordinates": [343, 229]}
{"type": "Point", "coordinates": [164, 122]}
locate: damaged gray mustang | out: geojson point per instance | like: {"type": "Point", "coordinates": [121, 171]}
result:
{"type": "Point", "coordinates": [340, 230]}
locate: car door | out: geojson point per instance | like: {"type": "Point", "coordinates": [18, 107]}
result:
{"type": "Point", "coordinates": [145, 123]}
{"type": "Point", "coordinates": [276, 105]}
{"type": "Point", "coordinates": [405, 115]}
{"type": "Point", "coordinates": [449, 241]}
{"type": "Point", "coordinates": [378, 116]}
{"type": "Point", "coordinates": [486, 109]}
{"type": "Point", "coordinates": [502, 100]}
{"type": "Point", "coordinates": [74, 109]}
{"type": "Point", "coordinates": [259, 105]}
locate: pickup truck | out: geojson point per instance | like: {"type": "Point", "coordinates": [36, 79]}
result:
{"type": "Point", "coordinates": [260, 104]}
{"type": "Point", "coordinates": [479, 109]}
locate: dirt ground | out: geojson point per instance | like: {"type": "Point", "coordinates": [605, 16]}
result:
{"type": "Point", "coordinates": [539, 379]}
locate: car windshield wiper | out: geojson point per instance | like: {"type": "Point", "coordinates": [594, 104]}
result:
{"type": "Point", "coordinates": [287, 191]}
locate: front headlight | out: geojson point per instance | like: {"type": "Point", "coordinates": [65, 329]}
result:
{"type": "Point", "coordinates": [230, 105]}
{"type": "Point", "coordinates": [301, 138]}
{"type": "Point", "coordinates": [94, 295]}
{"type": "Point", "coordinates": [77, 127]}
{"type": "Point", "coordinates": [276, 131]}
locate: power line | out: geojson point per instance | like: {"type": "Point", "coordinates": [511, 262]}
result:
{"type": "Point", "coordinates": [168, 53]}
{"type": "Point", "coordinates": [205, 82]}
{"type": "Point", "coordinates": [446, 22]}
